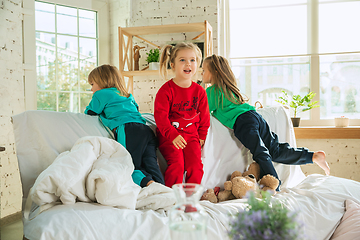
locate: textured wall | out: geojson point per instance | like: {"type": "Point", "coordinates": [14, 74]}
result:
{"type": "Point", "coordinates": [11, 103]}
{"type": "Point", "coordinates": [120, 13]}
{"type": "Point", "coordinates": [343, 156]}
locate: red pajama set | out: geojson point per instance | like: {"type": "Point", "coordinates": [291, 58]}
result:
{"type": "Point", "coordinates": [185, 112]}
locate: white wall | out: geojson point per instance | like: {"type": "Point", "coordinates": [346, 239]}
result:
{"type": "Point", "coordinates": [120, 14]}
{"type": "Point", "coordinates": [343, 156]}
{"type": "Point", "coordinates": [11, 102]}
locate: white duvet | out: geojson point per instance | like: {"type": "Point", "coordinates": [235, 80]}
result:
{"type": "Point", "coordinates": [97, 169]}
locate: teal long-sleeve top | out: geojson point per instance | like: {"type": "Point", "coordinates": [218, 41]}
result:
{"type": "Point", "coordinates": [116, 110]}
{"type": "Point", "coordinates": [223, 109]}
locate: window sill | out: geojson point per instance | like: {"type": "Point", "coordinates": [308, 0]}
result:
{"type": "Point", "coordinates": [352, 132]}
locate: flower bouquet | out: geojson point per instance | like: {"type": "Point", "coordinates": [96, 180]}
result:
{"type": "Point", "coordinates": [265, 219]}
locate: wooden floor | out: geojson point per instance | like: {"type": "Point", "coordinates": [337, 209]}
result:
{"type": "Point", "coordinates": [12, 231]}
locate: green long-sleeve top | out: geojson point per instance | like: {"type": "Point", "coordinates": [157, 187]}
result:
{"type": "Point", "coordinates": [223, 109]}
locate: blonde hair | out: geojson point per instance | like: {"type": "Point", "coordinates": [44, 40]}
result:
{"type": "Point", "coordinates": [223, 78]}
{"type": "Point", "coordinates": [107, 76]}
{"type": "Point", "coordinates": [169, 54]}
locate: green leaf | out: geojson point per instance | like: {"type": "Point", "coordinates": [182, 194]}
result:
{"type": "Point", "coordinates": [299, 103]}
{"type": "Point", "coordinates": [153, 55]}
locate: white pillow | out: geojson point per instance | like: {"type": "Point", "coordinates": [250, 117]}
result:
{"type": "Point", "coordinates": [40, 136]}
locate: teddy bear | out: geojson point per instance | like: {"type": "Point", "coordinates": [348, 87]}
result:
{"type": "Point", "coordinates": [240, 183]}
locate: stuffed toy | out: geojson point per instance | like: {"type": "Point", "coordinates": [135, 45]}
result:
{"type": "Point", "coordinates": [211, 195]}
{"type": "Point", "coordinates": [240, 183]}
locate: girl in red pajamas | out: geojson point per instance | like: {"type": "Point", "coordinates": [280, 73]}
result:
{"type": "Point", "coordinates": [182, 115]}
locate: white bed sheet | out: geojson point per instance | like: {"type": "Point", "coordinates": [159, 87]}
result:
{"type": "Point", "coordinates": [40, 136]}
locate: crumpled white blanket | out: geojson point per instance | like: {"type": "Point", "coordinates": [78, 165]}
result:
{"type": "Point", "coordinates": [97, 169]}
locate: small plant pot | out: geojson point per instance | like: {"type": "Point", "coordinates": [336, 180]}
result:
{"type": "Point", "coordinates": [341, 122]}
{"type": "Point", "coordinates": [295, 121]}
{"type": "Point", "coordinates": [154, 66]}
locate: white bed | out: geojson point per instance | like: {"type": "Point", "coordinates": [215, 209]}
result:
{"type": "Point", "coordinates": [41, 136]}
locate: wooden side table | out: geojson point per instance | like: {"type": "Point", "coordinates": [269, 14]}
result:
{"type": "Point", "coordinates": [2, 149]}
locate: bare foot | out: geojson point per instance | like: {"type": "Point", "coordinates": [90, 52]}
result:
{"type": "Point", "coordinates": [319, 159]}
{"type": "Point", "coordinates": [149, 182]}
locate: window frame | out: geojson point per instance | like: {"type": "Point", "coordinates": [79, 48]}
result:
{"type": "Point", "coordinates": [312, 53]}
{"type": "Point", "coordinates": [29, 41]}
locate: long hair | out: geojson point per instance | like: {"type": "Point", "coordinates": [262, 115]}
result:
{"type": "Point", "coordinates": [169, 53]}
{"type": "Point", "coordinates": [107, 76]}
{"type": "Point", "coordinates": [223, 78]}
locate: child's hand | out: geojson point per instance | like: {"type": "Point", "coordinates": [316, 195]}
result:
{"type": "Point", "coordinates": [201, 142]}
{"type": "Point", "coordinates": [179, 142]}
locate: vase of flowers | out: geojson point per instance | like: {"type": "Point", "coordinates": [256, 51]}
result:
{"type": "Point", "coordinates": [265, 218]}
{"type": "Point", "coordinates": [298, 104]}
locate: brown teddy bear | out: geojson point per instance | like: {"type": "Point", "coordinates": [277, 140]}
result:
{"type": "Point", "coordinates": [239, 184]}
{"type": "Point", "coordinates": [210, 195]}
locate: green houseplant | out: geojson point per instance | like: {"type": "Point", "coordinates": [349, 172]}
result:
{"type": "Point", "coordinates": [153, 58]}
{"type": "Point", "coordinates": [298, 104]}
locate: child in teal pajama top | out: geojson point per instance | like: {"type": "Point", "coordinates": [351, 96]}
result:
{"type": "Point", "coordinates": [119, 112]}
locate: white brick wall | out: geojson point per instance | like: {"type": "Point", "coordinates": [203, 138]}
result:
{"type": "Point", "coordinates": [11, 103]}
{"type": "Point", "coordinates": [119, 16]}
{"type": "Point", "coordinates": [343, 156]}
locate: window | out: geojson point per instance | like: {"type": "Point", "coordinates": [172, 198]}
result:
{"type": "Point", "coordinates": [66, 47]}
{"type": "Point", "coordinates": [298, 46]}
{"type": "Point", "coordinates": [61, 46]}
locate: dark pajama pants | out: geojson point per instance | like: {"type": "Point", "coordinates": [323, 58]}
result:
{"type": "Point", "coordinates": [254, 133]}
{"type": "Point", "coordinates": [141, 144]}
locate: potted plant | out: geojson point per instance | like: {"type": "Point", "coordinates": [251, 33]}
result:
{"type": "Point", "coordinates": [153, 59]}
{"type": "Point", "coordinates": [265, 218]}
{"type": "Point", "coordinates": [298, 104]}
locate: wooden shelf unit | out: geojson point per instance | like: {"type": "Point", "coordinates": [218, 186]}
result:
{"type": "Point", "coordinates": [126, 44]}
